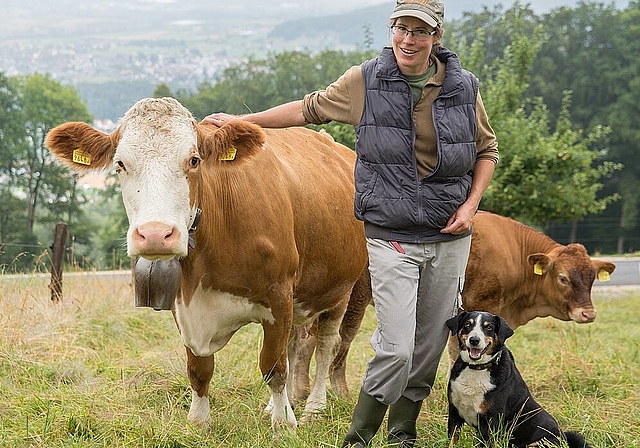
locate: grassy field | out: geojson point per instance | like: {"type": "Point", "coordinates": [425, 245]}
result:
{"type": "Point", "coordinates": [95, 371]}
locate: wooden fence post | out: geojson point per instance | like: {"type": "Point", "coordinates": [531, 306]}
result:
{"type": "Point", "coordinates": [57, 261]}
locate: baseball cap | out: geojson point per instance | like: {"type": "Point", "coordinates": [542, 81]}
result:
{"type": "Point", "coordinates": [429, 11]}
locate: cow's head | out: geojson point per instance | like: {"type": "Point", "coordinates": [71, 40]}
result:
{"type": "Point", "coordinates": [157, 152]}
{"type": "Point", "coordinates": [567, 275]}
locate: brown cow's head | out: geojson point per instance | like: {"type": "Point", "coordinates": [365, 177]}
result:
{"type": "Point", "coordinates": [157, 152]}
{"type": "Point", "coordinates": [568, 274]}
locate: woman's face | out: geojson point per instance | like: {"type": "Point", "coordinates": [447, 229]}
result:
{"type": "Point", "coordinates": [412, 54]}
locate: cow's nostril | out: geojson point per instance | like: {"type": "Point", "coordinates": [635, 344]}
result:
{"type": "Point", "coordinates": [156, 238]}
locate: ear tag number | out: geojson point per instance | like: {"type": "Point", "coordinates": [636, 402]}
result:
{"type": "Point", "coordinates": [230, 154]}
{"type": "Point", "coordinates": [537, 269]}
{"type": "Point", "coordinates": [603, 276]}
{"type": "Point", "coordinates": [82, 157]}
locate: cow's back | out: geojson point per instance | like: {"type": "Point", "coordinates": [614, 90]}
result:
{"type": "Point", "coordinates": [320, 182]}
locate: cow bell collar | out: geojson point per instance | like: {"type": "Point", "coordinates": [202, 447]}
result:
{"type": "Point", "coordinates": [194, 219]}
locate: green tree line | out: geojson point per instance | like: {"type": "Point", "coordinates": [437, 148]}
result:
{"type": "Point", "coordinates": [562, 91]}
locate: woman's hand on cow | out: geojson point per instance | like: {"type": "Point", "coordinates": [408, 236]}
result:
{"type": "Point", "coordinates": [219, 118]}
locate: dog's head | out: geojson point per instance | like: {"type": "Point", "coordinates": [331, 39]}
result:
{"type": "Point", "coordinates": [480, 335]}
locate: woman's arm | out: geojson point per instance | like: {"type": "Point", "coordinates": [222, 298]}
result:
{"type": "Point", "coordinates": [282, 116]}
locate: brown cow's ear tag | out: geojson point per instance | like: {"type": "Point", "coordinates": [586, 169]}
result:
{"type": "Point", "coordinates": [603, 276]}
{"type": "Point", "coordinates": [537, 269]}
{"type": "Point", "coordinates": [81, 156]}
{"type": "Point", "coordinates": [230, 154]}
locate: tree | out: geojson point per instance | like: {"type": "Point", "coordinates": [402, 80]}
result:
{"type": "Point", "coordinates": [594, 54]}
{"type": "Point", "coordinates": [544, 174]}
{"type": "Point", "coordinates": [258, 84]}
{"type": "Point", "coordinates": [46, 103]}
{"type": "Point", "coordinates": [162, 90]}
{"type": "Point", "coordinates": [42, 190]}
{"type": "Point", "coordinates": [11, 137]}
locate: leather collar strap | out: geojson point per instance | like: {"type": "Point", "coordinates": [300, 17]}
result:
{"type": "Point", "coordinates": [487, 365]}
{"type": "Point", "coordinates": [195, 219]}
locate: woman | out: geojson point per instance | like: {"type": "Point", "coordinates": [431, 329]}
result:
{"type": "Point", "coordinates": [426, 154]}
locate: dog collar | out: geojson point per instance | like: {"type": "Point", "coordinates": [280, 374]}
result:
{"type": "Point", "coordinates": [487, 365]}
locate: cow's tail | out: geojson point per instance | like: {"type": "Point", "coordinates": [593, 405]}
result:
{"type": "Point", "coordinates": [575, 440]}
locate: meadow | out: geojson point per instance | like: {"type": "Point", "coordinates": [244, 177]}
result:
{"type": "Point", "coordinates": [95, 371]}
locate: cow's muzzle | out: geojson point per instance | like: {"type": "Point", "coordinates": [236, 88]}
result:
{"type": "Point", "coordinates": [583, 315]}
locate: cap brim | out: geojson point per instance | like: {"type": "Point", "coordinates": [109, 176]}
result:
{"type": "Point", "coordinates": [426, 18]}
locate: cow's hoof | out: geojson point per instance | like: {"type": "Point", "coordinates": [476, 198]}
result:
{"type": "Point", "coordinates": [309, 416]}
{"type": "Point", "coordinates": [199, 411]}
{"type": "Point", "coordinates": [288, 425]}
{"type": "Point", "coordinates": [204, 423]}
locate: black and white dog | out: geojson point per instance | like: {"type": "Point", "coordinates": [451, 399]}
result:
{"type": "Point", "coordinates": [486, 390]}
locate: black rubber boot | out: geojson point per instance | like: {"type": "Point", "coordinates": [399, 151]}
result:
{"type": "Point", "coordinates": [367, 417]}
{"type": "Point", "coordinates": [403, 415]}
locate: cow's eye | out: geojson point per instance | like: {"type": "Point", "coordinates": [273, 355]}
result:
{"type": "Point", "coordinates": [194, 161]}
{"type": "Point", "coordinates": [564, 280]}
{"type": "Point", "coordinates": [120, 166]}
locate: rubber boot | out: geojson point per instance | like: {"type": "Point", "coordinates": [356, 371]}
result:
{"type": "Point", "coordinates": [403, 415]}
{"type": "Point", "coordinates": [367, 418]}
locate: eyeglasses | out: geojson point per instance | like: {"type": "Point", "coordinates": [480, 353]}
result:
{"type": "Point", "coordinates": [402, 32]}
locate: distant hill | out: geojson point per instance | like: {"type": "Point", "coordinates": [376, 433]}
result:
{"type": "Point", "coordinates": [114, 53]}
{"type": "Point", "coordinates": [347, 28]}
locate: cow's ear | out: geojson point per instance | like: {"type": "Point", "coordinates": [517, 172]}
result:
{"type": "Point", "coordinates": [603, 269]}
{"type": "Point", "coordinates": [454, 322]}
{"type": "Point", "coordinates": [231, 142]}
{"type": "Point", "coordinates": [82, 147]}
{"type": "Point", "coordinates": [504, 330]}
{"type": "Point", "coordinates": [540, 263]}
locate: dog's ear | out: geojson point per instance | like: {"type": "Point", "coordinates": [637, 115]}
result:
{"type": "Point", "coordinates": [504, 330]}
{"type": "Point", "coordinates": [455, 321]}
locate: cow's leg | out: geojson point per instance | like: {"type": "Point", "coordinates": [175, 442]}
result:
{"type": "Point", "coordinates": [327, 341]}
{"type": "Point", "coordinates": [301, 348]}
{"type": "Point", "coordinates": [200, 371]}
{"type": "Point", "coordinates": [453, 350]}
{"type": "Point", "coordinates": [274, 367]}
{"type": "Point", "coordinates": [361, 297]}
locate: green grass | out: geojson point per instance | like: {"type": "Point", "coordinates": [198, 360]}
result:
{"type": "Point", "coordinates": [95, 371]}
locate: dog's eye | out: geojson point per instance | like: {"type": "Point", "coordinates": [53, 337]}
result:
{"type": "Point", "coordinates": [489, 326]}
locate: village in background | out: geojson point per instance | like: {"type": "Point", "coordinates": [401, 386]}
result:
{"type": "Point", "coordinates": [115, 53]}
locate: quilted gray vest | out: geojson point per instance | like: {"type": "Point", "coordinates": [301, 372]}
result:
{"type": "Point", "coordinates": [389, 198]}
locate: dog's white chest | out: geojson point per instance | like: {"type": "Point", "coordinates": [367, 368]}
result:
{"type": "Point", "coordinates": [468, 391]}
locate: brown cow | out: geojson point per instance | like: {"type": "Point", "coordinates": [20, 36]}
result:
{"type": "Point", "coordinates": [277, 242]}
{"type": "Point", "coordinates": [520, 274]}
{"type": "Point", "coordinates": [513, 271]}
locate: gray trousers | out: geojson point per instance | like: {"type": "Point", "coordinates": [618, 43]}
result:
{"type": "Point", "coordinates": [416, 288]}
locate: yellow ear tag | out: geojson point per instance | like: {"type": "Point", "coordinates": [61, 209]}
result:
{"type": "Point", "coordinates": [603, 276]}
{"type": "Point", "coordinates": [82, 157]}
{"type": "Point", "coordinates": [537, 269]}
{"type": "Point", "coordinates": [230, 154]}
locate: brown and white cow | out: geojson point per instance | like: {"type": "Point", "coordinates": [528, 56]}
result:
{"type": "Point", "coordinates": [520, 273]}
{"type": "Point", "coordinates": [277, 242]}
{"type": "Point", "coordinates": [513, 271]}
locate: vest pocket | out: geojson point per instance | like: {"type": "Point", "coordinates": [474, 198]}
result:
{"type": "Point", "coordinates": [440, 199]}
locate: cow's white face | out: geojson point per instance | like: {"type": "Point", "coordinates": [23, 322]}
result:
{"type": "Point", "coordinates": [155, 153]}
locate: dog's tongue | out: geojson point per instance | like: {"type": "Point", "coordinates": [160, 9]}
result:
{"type": "Point", "coordinates": [475, 353]}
